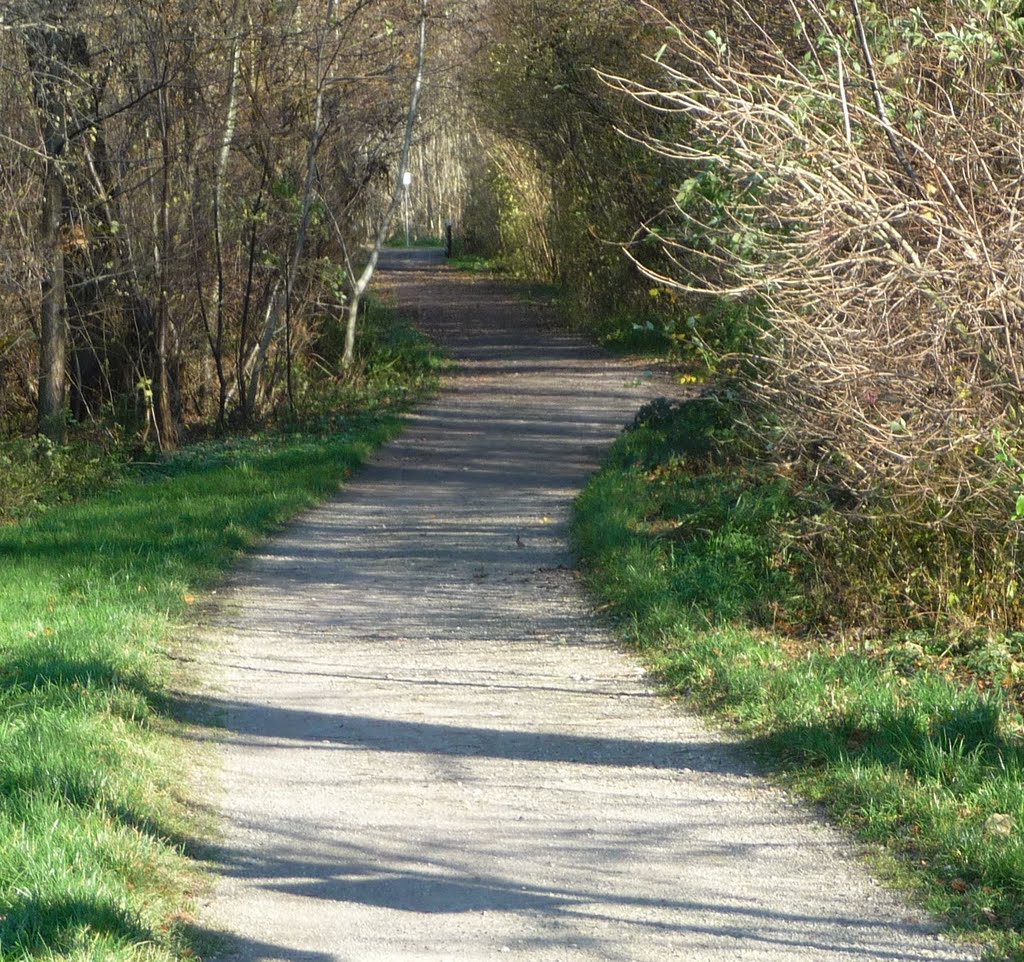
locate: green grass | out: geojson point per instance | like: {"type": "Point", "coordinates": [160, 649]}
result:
{"type": "Point", "coordinates": [913, 750]}
{"type": "Point", "coordinates": [96, 830]}
{"type": "Point", "coordinates": [474, 263]}
{"type": "Point", "coordinates": [398, 241]}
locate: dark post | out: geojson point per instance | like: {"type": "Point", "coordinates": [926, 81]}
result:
{"type": "Point", "coordinates": [448, 239]}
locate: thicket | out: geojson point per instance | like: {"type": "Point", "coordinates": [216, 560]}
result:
{"type": "Point", "coordinates": [563, 178]}
{"type": "Point", "coordinates": [187, 192]}
{"type": "Point", "coordinates": [855, 179]}
{"type": "Point", "coordinates": [829, 216]}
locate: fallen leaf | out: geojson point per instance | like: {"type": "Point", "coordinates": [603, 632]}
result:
{"type": "Point", "coordinates": [958, 885]}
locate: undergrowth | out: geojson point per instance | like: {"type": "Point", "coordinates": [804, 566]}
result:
{"type": "Point", "coordinates": [95, 825]}
{"type": "Point", "coordinates": [475, 263]}
{"type": "Point", "coordinates": [37, 473]}
{"type": "Point", "coordinates": [914, 741]}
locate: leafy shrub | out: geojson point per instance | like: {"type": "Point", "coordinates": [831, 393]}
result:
{"type": "Point", "coordinates": [37, 472]}
{"type": "Point", "coordinates": [394, 365]}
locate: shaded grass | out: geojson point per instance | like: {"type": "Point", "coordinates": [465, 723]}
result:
{"type": "Point", "coordinates": [475, 263]}
{"type": "Point", "coordinates": [687, 550]}
{"type": "Point", "coordinates": [95, 825]}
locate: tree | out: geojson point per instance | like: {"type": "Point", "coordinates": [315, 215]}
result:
{"type": "Point", "coordinates": [204, 185]}
{"type": "Point", "coordinates": [362, 282]}
{"type": "Point", "coordinates": [55, 50]}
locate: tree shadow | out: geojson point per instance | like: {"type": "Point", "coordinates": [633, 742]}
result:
{"type": "Point", "coordinates": [442, 883]}
{"type": "Point", "coordinates": [248, 723]}
{"type": "Point", "coordinates": [218, 946]}
{"type": "Point", "coordinates": [36, 924]}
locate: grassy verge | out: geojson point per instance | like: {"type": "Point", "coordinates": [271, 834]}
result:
{"type": "Point", "coordinates": [95, 825]}
{"type": "Point", "coordinates": [475, 264]}
{"type": "Point", "coordinates": [916, 748]}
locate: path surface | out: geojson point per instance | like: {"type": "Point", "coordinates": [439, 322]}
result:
{"type": "Point", "coordinates": [433, 751]}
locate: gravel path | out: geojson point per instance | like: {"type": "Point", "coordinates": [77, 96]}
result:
{"type": "Point", "coordinates": [433, 750]}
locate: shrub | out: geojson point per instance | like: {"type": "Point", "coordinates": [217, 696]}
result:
{"type": "Point", "coordinates": [852, 177]}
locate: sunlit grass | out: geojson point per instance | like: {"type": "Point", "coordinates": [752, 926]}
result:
{"type": "Point", "coordinates": [95, 822]}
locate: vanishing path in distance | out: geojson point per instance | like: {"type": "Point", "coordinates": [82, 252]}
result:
{"type": "Point", "coordinates": [434, 750]}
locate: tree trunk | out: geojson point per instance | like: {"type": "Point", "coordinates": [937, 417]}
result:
{"type": "Point", "coordinates": [363, 281]}
{"type": "Point", "coordinates": [216, 339]}
{"type": "Point", "coordinates": [272, 324]}
{"type": "Point", "coordinates": [167, 434]}
{"type": "Point", "coordinates": [53, 50]}
{"type": "Point", "coordinates": [53, 329]}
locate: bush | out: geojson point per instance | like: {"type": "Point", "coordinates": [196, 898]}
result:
{"type": "Point", "coordinates": [37, 473]}
{"type": "Point", "coordinates": [394, 365]}
{"type": "Point", "coordinates": [852, 178]}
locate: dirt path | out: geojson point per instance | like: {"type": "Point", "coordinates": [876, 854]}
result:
{"type": "Point", "coordinates": [432, 749]}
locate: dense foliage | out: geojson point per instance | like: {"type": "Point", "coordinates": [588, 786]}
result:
{"type": "Point", "coordinates": [854, 176]}
{"type": "Point", "coordinates": [828, 216]}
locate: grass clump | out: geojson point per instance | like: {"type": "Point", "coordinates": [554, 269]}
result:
{"type": "Point", "coordinates": [95, 825]}
{"type": "Point", "coordinates": [912, 740]}
{"type": "Point", "coordinates": [474, 263]}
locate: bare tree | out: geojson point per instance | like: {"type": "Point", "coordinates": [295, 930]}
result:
{"type": "Point", "coordinates": [362, 282]}
{"type": "Point", "coordinates": [194, 188]}
{"type": "Point", "coordinates": [56, 49]}
{"type": "Point", "coordinates": [874, 230]}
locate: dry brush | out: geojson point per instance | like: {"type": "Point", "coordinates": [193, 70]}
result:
{"type": "Point", "coordinates": [854, 176]}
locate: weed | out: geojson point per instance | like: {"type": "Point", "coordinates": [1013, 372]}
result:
{"type": "Point", "coordinates": [475, 263]}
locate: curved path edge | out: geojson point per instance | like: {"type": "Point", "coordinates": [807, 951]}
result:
{"type": "Point", "coordinates": [432, 748]}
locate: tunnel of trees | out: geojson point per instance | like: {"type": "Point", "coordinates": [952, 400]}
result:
{"type": "Point", "coordinates": [816, 203]}
{"type": "Point", "coordinates": [809, 214]}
